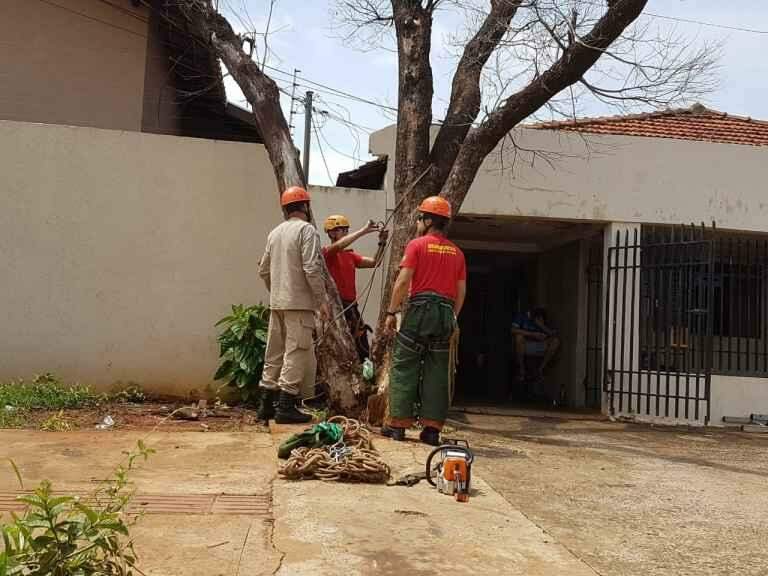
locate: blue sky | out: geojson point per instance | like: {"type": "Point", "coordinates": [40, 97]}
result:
{"type": "Point", "coordinates": [305, 37]}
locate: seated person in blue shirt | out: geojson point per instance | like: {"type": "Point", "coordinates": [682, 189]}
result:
{"type": "Point", "coordinates": [533, 338]}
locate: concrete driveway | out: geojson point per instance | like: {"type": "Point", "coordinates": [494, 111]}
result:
{"type": "Point", "coordinates": [206, 496]}
{"type": "Point", "coordinates": [213, 506]}
{"type": "Point", "coordinates": [632, 499]}
{"type": "Point", "coordinates": [553, 497]}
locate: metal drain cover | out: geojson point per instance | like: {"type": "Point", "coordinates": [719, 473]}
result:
{"type": "Point", "coordinates": [240, 504]}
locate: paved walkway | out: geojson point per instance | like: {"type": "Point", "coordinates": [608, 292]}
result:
{"type": "Point", "coordinates": [213, 507]}
{"type": "Point", "coordinates": [188, 529]}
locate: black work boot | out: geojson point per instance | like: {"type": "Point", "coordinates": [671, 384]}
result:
{"type": "Point", "coordinates": [430, 436]}
{"type": "Point", "coordinates": [287, 413]}
{"type": "Point", "coordinates": [393, 432]}
{"type": "Point", "coordinates": [266, 411]}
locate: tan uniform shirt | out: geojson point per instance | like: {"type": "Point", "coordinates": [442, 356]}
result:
{"type": "Point", "coordinates": [291, 267]}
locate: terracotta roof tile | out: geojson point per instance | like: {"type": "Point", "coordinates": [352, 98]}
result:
{"type": "Point", "coordinates": [694, 123]}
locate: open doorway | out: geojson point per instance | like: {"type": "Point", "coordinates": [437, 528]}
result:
{"type": "Point", "coordinates": [514, 265]}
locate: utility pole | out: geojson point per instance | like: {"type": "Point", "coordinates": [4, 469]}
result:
{"type": "Point", "coordinates": [307, 133]}
{"type": "Point", "coordinates": [293, 100]}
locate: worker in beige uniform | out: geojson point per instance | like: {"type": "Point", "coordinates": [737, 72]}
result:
{"type": "Point", "coordinates": [292, 270]}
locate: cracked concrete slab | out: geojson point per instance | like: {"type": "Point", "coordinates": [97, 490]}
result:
{"type": "Point", "coordinates": [185, 463]}
{"type": "Point", "coordinates": [313, 528]}
{"type": "Point", "coordinates": [330, 528]}
{"type": "Point", "coordinates": [175, 545]}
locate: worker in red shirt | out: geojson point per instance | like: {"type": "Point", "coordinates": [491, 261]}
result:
{"type": "Point", "coordinates": [343, 262]}
{"type": "Point", "coordinates": [433, 275]}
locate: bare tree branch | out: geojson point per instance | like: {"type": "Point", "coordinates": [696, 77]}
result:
{"type": "Point", "coordinates": [569, 69]}
{"type": "Point", "coordinates": [465, 100]}
{"type": "Point", "coordinates": [259, 89]}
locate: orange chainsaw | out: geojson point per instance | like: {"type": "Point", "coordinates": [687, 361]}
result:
{"type": "Point", "coordinates": [449, 468]}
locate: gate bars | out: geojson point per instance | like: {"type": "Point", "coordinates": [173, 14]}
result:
{"type": "Point", "coordinates": [658, 323]}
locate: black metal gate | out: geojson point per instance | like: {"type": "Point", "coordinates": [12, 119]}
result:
{"type": "Point", "coordinates": [658, 322]}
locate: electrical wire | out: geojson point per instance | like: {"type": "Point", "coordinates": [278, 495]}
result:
{"type": "Point", "coordinates": [331, 90]}
{"type": "Point", "coordinates": [702, 23]}
{"type": "Point", "coordinates": [322, 153]}
{"type": "Point", "coordinates": [93, 18]}
{"type": "Point", "coordinates": [125, 11]}
{"type": "Point", "coordinates": [332, 147]}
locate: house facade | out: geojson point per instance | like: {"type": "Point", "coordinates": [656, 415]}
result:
{"type": "Point", "coordinates": [135, 203]}
{"type": "Point", "coordinates": [115, 64]}
{"type": "Point", "coordinates": [645, 238]}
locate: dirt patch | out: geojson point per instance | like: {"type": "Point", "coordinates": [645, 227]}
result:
{"type": "Point", "coordinates": [144, 416]}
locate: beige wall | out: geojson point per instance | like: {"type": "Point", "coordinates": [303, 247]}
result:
{"type": "Point", "coordinates": [620, 179]}
{"type": "Point", "coordinates": [81, 63]}
{"type": "Point", "coordinates": [120, 250]}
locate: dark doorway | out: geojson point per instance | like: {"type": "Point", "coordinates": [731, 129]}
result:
{"type": "Point", "coordinates": [500, 286]}
{"type": "Point", "coordinates": [514, 264]}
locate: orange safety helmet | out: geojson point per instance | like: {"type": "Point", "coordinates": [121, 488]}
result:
{"type": "Point", "coordinates": [436, 205]}
{"type": "Point", "coordinates": [294, 194]}
{"type": "Point", "coordinates": [336, 221]}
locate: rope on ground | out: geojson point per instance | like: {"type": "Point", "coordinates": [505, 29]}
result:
{"type": "Point", "coordinates": [353, 459]}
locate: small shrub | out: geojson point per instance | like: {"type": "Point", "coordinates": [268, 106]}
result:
{"type": "Point", "coordinates": [67, 536]}
{"type": "Point", "coordinates": [56, 423]}
{"type": "Point", "coordinates": [12, 417]}
{"type": "Point", "coordinates": [132, 393]}
{"type": "Point", "coordinates": [45, 392]}
{"type": "Point", "coordinates": [243, 342]}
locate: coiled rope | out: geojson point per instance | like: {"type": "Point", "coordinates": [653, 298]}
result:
{"type": "Point", "coordinates": [352, 459]}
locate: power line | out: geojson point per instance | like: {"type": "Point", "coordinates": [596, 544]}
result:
{"type": "Point", "coordinates": [322, 136]}
{"type": "Point", "coordinates": [335, 91]}
{"type": "Point", "coordinates": [702, 23]}
{"type": "Point", "coordinates": [322, 154]}
{"type": "Point", "coordinates": [125, 10]}
{"type": "Point", "coordinates": [736, 28]}
{"type": "Point", "coordinates": [89, 17]}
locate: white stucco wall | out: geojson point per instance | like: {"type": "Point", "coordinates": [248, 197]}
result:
{"type": "Point", "coordinates": [619, 179]}
{"type": "Point", "coordinates": [120, 250]}
{"type": "Point", "coordinates": [734, 396]}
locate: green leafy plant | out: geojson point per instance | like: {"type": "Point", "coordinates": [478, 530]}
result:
{"type": "Point", "coordinates": [45, 392]}
{"type": "Point", "coordinates": [243, 342]}
{"type": "Point", "coordinates": [61, 535]}
{"type": "Point", "coordinates": [131, 393]}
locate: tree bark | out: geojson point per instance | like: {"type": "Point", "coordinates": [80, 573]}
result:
{"type": "Point", "coordinates": [336, 351]}
{"type": "Point", "coordinates": [413, 25]}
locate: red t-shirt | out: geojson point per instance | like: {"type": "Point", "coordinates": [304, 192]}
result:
{"type": "Point", "coordinates": [342, 267]}
{"type": "Point", "coordinates": [437, 265]}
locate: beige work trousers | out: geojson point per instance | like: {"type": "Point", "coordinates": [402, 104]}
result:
{"type": "Point", "coordinates": [289, 361]}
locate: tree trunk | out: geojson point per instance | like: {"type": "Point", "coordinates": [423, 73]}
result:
{"type": "Point", "coordinates": [413, 24]}
{"type": "Point", "coordinates": [414, 119]}
{"type": "Point", "coordinates": [336, 351]}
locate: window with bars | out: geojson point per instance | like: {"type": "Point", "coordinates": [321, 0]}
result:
{"type": "Point", "coordinates": [705, 301]}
